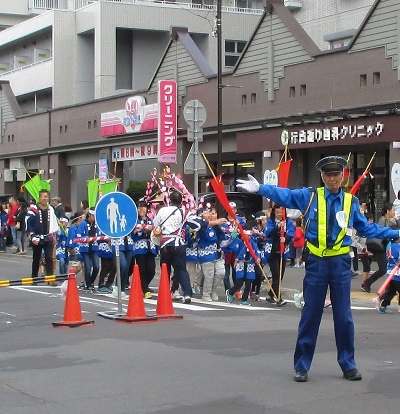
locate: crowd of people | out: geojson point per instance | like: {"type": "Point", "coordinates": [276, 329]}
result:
{"type": "Point", "coordinates": [325, 230]}
{"type": "Point", "coordinates": [203, 254]}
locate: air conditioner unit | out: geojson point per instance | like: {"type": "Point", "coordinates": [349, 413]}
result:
{"type": "Point", "coordinates": [293, 5]}
{"type": "Point", "coordinates": [16, 163]}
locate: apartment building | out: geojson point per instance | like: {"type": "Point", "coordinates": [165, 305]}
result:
{"type": "Point", "coordinates": [71, 51]}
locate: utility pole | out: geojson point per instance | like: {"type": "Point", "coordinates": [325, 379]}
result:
{"type": "Point", "coordinates": [219, 82]}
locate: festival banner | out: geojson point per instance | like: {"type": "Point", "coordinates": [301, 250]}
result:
{"type": "Point", "coordinates": [93, 189]}
{"type": "Point", "coordinates": [34, 185]}
{"type": "Point", "coordinates": [108, 187]}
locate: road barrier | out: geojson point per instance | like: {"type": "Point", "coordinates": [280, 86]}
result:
{"type": "Point", "coordinates": [32, 280]}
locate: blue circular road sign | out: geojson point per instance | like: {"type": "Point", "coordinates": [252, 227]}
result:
{"type": "Point", "coordinates": [116, 214]}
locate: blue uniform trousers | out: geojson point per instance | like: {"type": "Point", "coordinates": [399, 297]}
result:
{"type": "Point", "coordinates": [334, 272]}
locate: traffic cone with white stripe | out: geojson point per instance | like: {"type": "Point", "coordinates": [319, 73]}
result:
{"type": "Point", "coordinates": [136, 312]}
{"type": "Point", "coordinates": [72, 308]}
{"type": "Point", "coordinates": [164, 308]}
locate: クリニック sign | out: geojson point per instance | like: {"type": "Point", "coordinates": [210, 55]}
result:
{"type": "Point", "coordinates": [167, 121]}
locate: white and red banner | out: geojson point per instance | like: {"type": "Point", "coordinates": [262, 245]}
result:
{"type": "Point", "coordinates": [135, 117]}
{"type": "Point", "coordinates": [167, 122]}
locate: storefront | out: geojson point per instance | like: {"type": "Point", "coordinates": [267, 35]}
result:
{"type": "Point", "coordinates": [358, 140]}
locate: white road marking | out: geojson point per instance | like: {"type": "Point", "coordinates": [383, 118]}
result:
{"type": "Point", "coordinates": [32, 289]}
{"type": "Point", "coordinates": [8, 314]}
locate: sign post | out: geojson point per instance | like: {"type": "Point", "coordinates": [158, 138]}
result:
{"type": "Point", "coordinates": [195, 115]}
{"type": "Point", "coordinates": [116, 216]}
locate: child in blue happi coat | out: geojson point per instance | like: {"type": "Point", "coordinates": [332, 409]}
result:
{"type": "Point", "coordinates": [72, 247]}
{"type": "Point", "coordinates": [245, 267]}
{"type": "Point", "coordinates": [192, 260]}
{"type": "Point", "coordinates": [144, 251]}
{"type": "Point", "coordinates": [61, 246]}
{"type": "Point", "coordinates": [108, 267]}
{"type": "Point", "coordinates": [393, 255]}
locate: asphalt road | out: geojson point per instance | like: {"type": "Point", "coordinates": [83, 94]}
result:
{"type": "Point", "coordinates": [219, 358]}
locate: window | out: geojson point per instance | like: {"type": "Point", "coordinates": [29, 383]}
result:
{"type": "Point", "coordinates": [292, 92]}
{"type": "Point", "coordinates": [60, 129]}
{"type": "Point", "coordinates": [65, 128]}
{"type": "Point", "coordinates": [95, 124]}
{"type": "Point", "coordinates": [89, 124]}
{"type": "Point", "coordinates": [244, 100]}
{"type": "Point", "coordinates": [303, 90]}
{"type": "Point", "coordinates": [363, 80]}
{"type": "Point", "coordinates": [233, 50]}
{"type": "Point", "coordinates": [376, 78]}
{"type": "Point", "coordinates": [202, 3]}
{"type": "Point", "coordinates": [253, 98]}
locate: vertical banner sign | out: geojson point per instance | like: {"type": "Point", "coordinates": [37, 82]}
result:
{"type": "Point", "coordinates": [167, 122]}
{"type": "Point", "coordinates": [103, 169]}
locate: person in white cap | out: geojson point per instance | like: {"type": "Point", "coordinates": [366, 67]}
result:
{"type": "Point", "coordinates": [328, 213]}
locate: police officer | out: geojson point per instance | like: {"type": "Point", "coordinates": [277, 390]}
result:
{"type": "Point", "coordinates": [329, 215]}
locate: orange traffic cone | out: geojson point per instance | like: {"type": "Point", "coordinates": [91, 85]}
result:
{"type": "Point", "coordinates": [164, 308]}
{"type": "Point", "coordinates": [136, 311]}
{"type": "Point", "coordinates": [72, 309]}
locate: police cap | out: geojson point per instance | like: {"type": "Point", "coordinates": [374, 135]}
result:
{"type": "Point", "coordinates": [331, 164]}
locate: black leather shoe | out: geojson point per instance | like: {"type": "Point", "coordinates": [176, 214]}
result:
{"type": "Point", "coordinates": [352, 375]}
{"type": "Point", "coordinates": [300, 376]}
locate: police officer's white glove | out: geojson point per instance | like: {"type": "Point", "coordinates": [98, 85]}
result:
{"type": "Point", "coordinates": [251, 185]}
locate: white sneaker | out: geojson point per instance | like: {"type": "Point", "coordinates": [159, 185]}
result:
{"type": "Point", "coordinates": [377, 303]}
{"type": "Point", "coordinates": [177, 296]}
{"type": "Point", "coordinates": [124, 295]}
{"type": "Point", "coordinates": [206, 298]}
{"type": "Point", "coordinates": [296, 265]}
{"type": "Point", "coordinates": [187, 299]}
{"type": "Point", "coordinates": [214, 296]}
{"type": "Point", "coordinates": [115, 291]}
{"type": "Point", "coordinates": [302, 264]}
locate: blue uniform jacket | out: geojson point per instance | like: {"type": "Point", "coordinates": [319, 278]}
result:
{"type": "Point", "coordinates": [273, 234]}
{"type": "Point", "coordinates": [299, 199]}
{"type": "Point", "coordinates": [141, 239]}
{"type": "Point", "coordinates": [72, 234]}
{"type": "Point", "coordinates": [393, 255]}
{"type": "Point", "coordinates": [191, 245]}
{"type": "Point", "coordinates": [83, 231]}
{"type": "Point", "coordinates": [245, 265]}
{"type": "Point", "coordinates": [209, 239]}
{"type": "Point", "coordinates": [61, 246]}
{"type": "Point", "coordinates": [227, 248]}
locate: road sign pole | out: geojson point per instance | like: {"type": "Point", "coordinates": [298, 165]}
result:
{"type": "Point", "coordinates": [118, 275]}
{"type": "Point", "coordinates": [116, 217]}
{"type": "Point", "coordinates": [195, 115]}
{"type": "Point", "coordinates": [196, 168]}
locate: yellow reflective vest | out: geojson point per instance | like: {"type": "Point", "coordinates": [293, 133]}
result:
{"type": "Point", "coordinates": [322, 250]}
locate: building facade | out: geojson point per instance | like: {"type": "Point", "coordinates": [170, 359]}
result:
{"type": "Point", "coordinates": [342, 101]}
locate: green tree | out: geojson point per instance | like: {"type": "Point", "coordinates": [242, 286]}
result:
{"type": "Point", "coordinates": [136, 190]}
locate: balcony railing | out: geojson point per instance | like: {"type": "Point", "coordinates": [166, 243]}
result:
{"type": "Point", "coordinates": [72, 5]}
{"type": "Point", "coordinates": [12, 70]}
